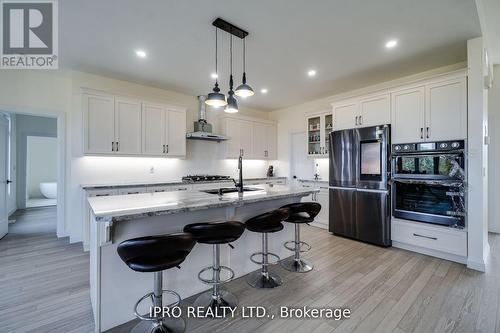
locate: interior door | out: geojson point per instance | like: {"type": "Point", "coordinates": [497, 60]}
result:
{"type": "Point", "coordinates": [4, 219]}
{"type": "Point", "coordinates": [176, 133]}
{"type": "Point", "coordinates": [153, 129]}
{"type": "Point", "coordinates": [408, 115]}
{"type": "Point", "coordinates": [99, 123]}
{"type": "Point", "coordinates": [446, 111]}
{"type": "Point", "coordinates": [128, 126]}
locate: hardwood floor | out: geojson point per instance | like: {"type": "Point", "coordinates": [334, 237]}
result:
{"type": "Point", "coordinates": [44, 288]}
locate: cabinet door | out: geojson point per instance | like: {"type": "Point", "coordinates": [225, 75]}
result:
{"type": "Point", "coordinates": [153, 129]}
{"type": "Point", "coordinates": [246, 138]}
{"type": "Point", "coordinates": [375, 110]}
{"type": "Point", "coordinates": [232, 130]}
{"type": "Point", "coordinates": [259, 139]}
{"type": "Point", "coordinates": [176, 132]}
{"type": "Point", "coordinates": [99, 124]}
{"type": "Point", "coordinates": [408, 115]}
{"type": "Point", "coordinates": [323, 198]}
{"type": "Point", "coordinates": [344, 115]}
{"type": "Point", "coordinates": [272, 138]}
{"type": "Point", "coordinates": [446, 110]}
{"type": "Point", "coordinates": [128, 134]}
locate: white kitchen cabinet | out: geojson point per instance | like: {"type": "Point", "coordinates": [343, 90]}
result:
{"type": "Point", "coordinates": [99, 123]}
{"type": "Point", "coordinates": [128, 136]}
{"type": "Point", "coordinates": [374, 110]}
{"type": "Point", "coordinates": [259, 135]}
{"type": "Point", "coordinates": [323, 198]}
{"type": "Point", "coordinates": [318, 128]}
{"type": "Point", "coordinates": [345, 114]}
{"type": "Point", "coordinates": [87, 214]}
{"type": "Point", "coordinates": [254, 139]}
{"type": "Point", "coordinates": [408, 109]}
{"type": "Point", "coordinates": [163, 130]}
{"type": "Point", "coordinates": [446, 110]}
{"type": "Point", "coordinates": [176, 132]}
{"type": "Point", "coordinates": [153, 129]}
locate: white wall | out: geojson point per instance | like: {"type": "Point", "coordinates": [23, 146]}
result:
{"type": "Point", "coordinates": [477, 180]}
{"type": "Point", "coordinates": [58, 93]}
{"type": "Point", "coordinates": [41, 163]}
{"type": "Point", "coordinates": [27, 125]}
{"type": "Point", "coordinates": [494, 152]}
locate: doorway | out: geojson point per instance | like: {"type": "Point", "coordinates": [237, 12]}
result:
{"type": "Point", "coordinates": [4, 180]}
{"type": "Point", "coordinates": [33, 169]}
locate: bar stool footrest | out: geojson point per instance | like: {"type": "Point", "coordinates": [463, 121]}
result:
{"type": "Point", "coordinates": [301, 244]}
{"type": "Point", "coordinates": [212, 281]}
{"type": "Point", "coordinates": [275, 256]}
{"type": "Point", "coordinates": [150, 296]}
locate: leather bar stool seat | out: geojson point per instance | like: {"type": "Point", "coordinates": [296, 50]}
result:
{"type": "Point", "coordinates": [216, 233]}
{"type": "Point", "coordinates": [299, 212]}
{"type": "Point", "coordinates": [266, 223]}
{"type": "Point", "coordinates": [156, 254]}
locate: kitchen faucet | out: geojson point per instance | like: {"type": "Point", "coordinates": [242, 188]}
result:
{"type": "Point", "coordinates": [239, 184]}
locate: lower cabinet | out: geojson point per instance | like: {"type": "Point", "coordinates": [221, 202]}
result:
{"type": "Point", "coordinates": [323, 198]}
{"type": "Point", "coordinates": [438, 241]}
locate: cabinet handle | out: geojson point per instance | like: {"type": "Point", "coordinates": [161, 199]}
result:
{"type": "Point", "coordinates": [167, 148]}
{"type": "Point", "coordinates": [117, 146]}
{"type": "Point", "coordinates": [163, 149]}
{"type": "Point", "coordinates": [113, 146]}
{"type": "Point", "coordinates": [356, 121]}
{"type": "Point", "coordinates": [421, 132]}
{"type": "Point", "coordinates": [427, 132]}
{"type": "Point", "coordinates": [422, 236]}
{"type": "Point", "coordinates": [361, 120]}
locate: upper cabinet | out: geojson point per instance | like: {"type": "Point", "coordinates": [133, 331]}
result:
{"type": "Point", "coordinates": [432, 112]}
{"type": "Point", "coordinates": [318, 128]}
{"type": "Point", "coordinates": [252, 138]}
{"type": "Point", "coordinates": [363, 111]}
{"type": "Point", "coordinates": [121, 126]}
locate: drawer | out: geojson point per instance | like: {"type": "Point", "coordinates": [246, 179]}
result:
{"type": "Point", "coordinates": [168, 188]}
{"type": "Point", "coordinates": [132, 190]}
{"type": "Point", "coordinates": [431, 237]}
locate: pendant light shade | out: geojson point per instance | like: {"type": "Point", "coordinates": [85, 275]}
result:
{"type": "Point", "coordinates": [216, 98]}
{"type": "Point", "coordinates": [232, 104]}
{"type": "Point", "coordinates": [244, 90]}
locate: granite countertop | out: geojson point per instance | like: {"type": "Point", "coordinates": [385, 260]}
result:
{"type": "Point", "coordinates": [159, 183]}
{"type": "Point", "coordinates": [131, 206]}
{"type": "Point", "coordinates": [312, 180]}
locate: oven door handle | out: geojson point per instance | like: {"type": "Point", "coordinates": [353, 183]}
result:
{"type": "Point", "coordinates": [450, 183]}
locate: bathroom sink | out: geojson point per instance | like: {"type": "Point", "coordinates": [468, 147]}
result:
{"type": "Point", "coordinates": [225, 190]}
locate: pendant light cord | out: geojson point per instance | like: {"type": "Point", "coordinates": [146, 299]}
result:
{"type": "Point", "coordinates": [231, 62]}
{"type": "Point", "coordinates": [244, 55]}
{"type": "Point", "coordinates": [216, 60]}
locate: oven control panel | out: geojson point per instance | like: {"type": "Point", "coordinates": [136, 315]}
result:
{"type": "Point", "coordinates": [405, 148]}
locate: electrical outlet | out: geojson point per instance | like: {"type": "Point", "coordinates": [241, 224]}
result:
{"type": "Point", "coordinates": [152, 169]}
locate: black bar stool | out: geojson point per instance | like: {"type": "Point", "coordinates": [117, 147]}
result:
{"type": "Point", "coordinates": [300, 212]}
{"type": "Point", "coordinates": [155, 254]}
{"type": "Point", "coordinates": [216, 233]}
{"type": "Point", "coordinates": [265, 223]}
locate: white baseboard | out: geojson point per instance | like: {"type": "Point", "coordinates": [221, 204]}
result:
{"type": "Point", "coordinates": [478, 265]}
{"type": "Point", "coordinates": [430, 252]}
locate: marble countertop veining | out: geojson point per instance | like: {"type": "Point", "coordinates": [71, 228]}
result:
{"type": "Point", "coordinates": [312, 180]}
{"type": "Point", "coordinates": [158, 183]}
{"type": "Point", "coordinates": [131, 206]}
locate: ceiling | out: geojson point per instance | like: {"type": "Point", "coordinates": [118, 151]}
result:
{"type": "Point", "coordinates": [343, 40]}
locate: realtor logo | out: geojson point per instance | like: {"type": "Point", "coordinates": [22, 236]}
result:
{"type": "Point", "coordinates": [29, 34]}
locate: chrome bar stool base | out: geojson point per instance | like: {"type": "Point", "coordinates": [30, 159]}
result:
{"type": "Point", "coordinates": [223, 299]}
{"type": "Point", "coordinates": [298, 266]}
{"type": "Point", "coordinates": [167, 325]}
{"type": "Point", "coordinates": [260, 280]}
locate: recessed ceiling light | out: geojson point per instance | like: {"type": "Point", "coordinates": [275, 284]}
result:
{"type": "Point", "coordinates": [141, 53]}
{"type": "Point", "coordinates": [263, 90]}
{"type": "Point", "coordinates": [311, 72]}
{"type": "Point", "coordinates": [391, 43]}
{"type": "Point", "coordinates": [214, 76]}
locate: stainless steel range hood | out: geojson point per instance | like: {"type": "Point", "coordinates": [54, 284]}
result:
{"type": "Point", "coordinates": [202, 129]}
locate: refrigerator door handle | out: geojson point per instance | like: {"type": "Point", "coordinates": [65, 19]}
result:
{"type": "Point", "coordinates": [342, 188]}
{"type": "Point", "coordinates": [372, 190]}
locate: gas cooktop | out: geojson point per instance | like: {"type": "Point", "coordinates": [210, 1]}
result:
{"type": "Point", "coordinates": [204, 178]}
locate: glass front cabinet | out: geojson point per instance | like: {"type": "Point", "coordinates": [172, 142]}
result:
{"type": "Point", "coordinates": [318, 128]}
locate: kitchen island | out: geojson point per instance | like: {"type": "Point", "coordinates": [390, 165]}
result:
{"type": "Point", "coordinates": [115, 288]}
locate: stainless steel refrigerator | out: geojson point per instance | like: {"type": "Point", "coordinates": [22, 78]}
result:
{"type": "Point", "coordinates": [359, 188]}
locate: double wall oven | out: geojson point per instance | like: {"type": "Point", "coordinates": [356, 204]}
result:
{"type": "Point", "coordinates": [429, 182]}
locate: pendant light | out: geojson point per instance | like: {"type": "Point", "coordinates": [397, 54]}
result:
{"type": "Point", "coordinates": [232, 104]}
{"type": "Point", "coordinates": [215, 98]}
{"type": "Point", "coordinates": [244, 90]}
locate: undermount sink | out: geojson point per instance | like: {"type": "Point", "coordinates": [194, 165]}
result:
{"type": "Point", "coordinates": [225, 190]}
